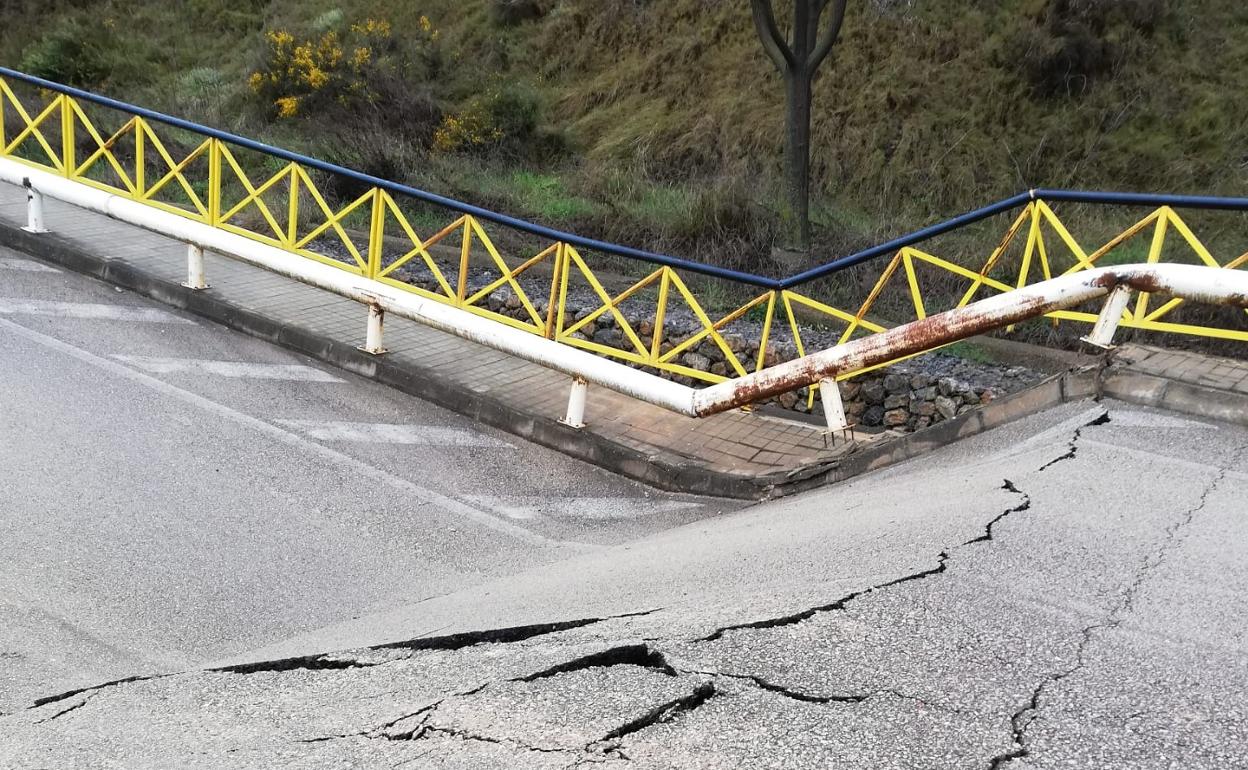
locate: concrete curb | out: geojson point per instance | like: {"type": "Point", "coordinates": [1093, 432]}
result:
{"type": "Point", "coordinates": [1176, 396]}
{"type": "Point", "coordinates": [668, 471]}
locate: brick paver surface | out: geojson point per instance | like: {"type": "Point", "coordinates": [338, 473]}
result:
{"type": "Point", "coordinates": [1227, 374]}
{"type": "Point", "coordinates": [738, 442]}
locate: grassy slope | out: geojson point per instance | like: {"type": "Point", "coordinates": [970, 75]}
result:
{"type": "Point", "coordinates": [674, 115]}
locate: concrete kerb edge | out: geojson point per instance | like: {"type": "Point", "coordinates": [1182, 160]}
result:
{"type": "Point", "coordinates": [661, 470]}
{"type": "Point", "coordinates": [1175, 396]}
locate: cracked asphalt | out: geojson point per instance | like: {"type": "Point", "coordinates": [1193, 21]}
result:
{"type": "Point", "coordinates": [1065, 591]}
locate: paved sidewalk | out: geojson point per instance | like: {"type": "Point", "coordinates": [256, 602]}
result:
{"type": "Point", "coordinates": [1226, 374]}
{"type": "Point", "coordinates": [1211, 387]}
{"type": "Point", "coordinates": [738, 454]}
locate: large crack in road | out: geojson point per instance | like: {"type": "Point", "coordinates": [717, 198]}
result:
{"type": "Point", "coordinates": [417, 725]}
{"type": "Point", "coordinates": [649, 657]}
{"type": "Point", "coordinates": [941, 559]}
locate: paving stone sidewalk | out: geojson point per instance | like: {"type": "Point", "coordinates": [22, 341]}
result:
{"type": "Point", "coordinates": [1226, 374]}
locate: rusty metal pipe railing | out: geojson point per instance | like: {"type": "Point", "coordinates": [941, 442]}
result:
{"type": "Point", "coordinates": [1190, 282]}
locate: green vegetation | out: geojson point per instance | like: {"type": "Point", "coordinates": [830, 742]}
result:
{"type": "Point", "coordinates": [1132, 252]}
{"type": "Point", "coordinates": [661, 124]}
{"type": "Point", "coordinates": [969, 351]}
{"type": "Point", "coordinates": [547, 196]}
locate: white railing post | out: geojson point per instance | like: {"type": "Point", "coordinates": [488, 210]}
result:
{"type": "Point", "coordinates": [833, 406]}
{"type": "Point", "coordinates": [195, 267]}
{"type": "Point", "coordinates": [1102, 334]}
{"type": "Point", "coordinates": [34, 209]}
{"type": "Point", "coordinates": [376, 321]}
{"type": "Point", "coordinates": [576, 404]}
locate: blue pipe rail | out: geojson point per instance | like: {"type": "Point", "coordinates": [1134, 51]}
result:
{"type": "Point", "coordinates": [751, 279]}
{"type": "Point", "coordinates": [865, 255]}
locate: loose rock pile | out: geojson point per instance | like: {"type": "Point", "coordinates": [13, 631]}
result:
{"type": "Point", "coordinates": [910, 401]}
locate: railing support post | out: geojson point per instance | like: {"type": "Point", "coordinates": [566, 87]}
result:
{"type": "Point", "coordinates": [373, 341]}
{"type": "Point", "coordinates": [576, 404]}
{"type": "Point", "coordinates": [833, 407]}
{"type": "Point", "coordinates": [195, 267]}
{"type": "Point", "coordinates": [34, 209]}
{"type": "Point", "coordinates": [1102, 335]}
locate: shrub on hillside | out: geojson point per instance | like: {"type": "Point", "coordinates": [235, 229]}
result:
{"type": "Point", "coordinates": [364, 69]}
{"type": "Point", "coordinates": [505, 118]}
{"type": "Point", "coordinates": [73, 54]}
{"type": "Point", "coordinates": [373, 151]}
{"type": "Point", "coordinates": [508, 12]}
{"type": "Point", "coordinates": [201, 92]}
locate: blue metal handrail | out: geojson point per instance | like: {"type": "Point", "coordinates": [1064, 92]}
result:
{"type": "Point", "coordinates": [752, 279]}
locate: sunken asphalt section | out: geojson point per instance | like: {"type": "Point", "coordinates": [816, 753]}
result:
{"type": "Point", "coordinates": [1067, 591]}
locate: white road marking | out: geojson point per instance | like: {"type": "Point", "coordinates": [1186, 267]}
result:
{"type": "Point", "coordinates": [390, 433]}
{"type": "Point", "coordinates": [586, 508]}
{"type": "Point", "coordinates": [25, 265]}
{"type": "Point", "coordinates": [97, 312]}
{"type": "Point", "coordinates": [427, 496]}
{"type": "Point", "coordinates": [236, 369]}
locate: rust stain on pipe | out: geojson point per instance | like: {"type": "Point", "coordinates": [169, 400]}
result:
{"type": "Point", "coordinates": [1189, 282]}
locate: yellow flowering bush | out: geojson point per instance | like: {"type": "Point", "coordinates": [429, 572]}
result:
{"type": "Point", "coordinates": [472, 128]}
{"type": "Point", "coordinates": [376, 27]}
{"type": "Point", "coordinates": [287, 106]}
{"type": "Point", "coordinates": [497, 117]}
{"type": "Point", "coordinates": [351, 68]}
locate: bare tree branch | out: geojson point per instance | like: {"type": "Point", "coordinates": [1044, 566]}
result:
{"type": "Point", "coordinates": [804, 31]}
{"type": "Point", "coordinates": [833, 32]}
{"type": "Point", "coordinates": [812, 13]}
{"type": "Point", "coordinates": [773, 42]}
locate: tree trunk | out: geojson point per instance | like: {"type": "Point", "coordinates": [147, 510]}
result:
{"type": "Point", "coordinates": [798, 59]}
{"type": "Point", "coordinates": [797, 153]}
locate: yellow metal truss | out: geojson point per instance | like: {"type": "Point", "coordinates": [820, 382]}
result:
{"type": "Point", "coordinates": [372, 236]}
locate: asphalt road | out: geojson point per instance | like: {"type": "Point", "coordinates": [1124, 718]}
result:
{"type": "Point", "coordinates": [1066, 591]}
{"type": "Point", "coordinates": [176, 492]}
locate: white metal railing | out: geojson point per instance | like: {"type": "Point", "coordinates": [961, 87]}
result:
{"type": "Point", "coordinates": [1187, 282]}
